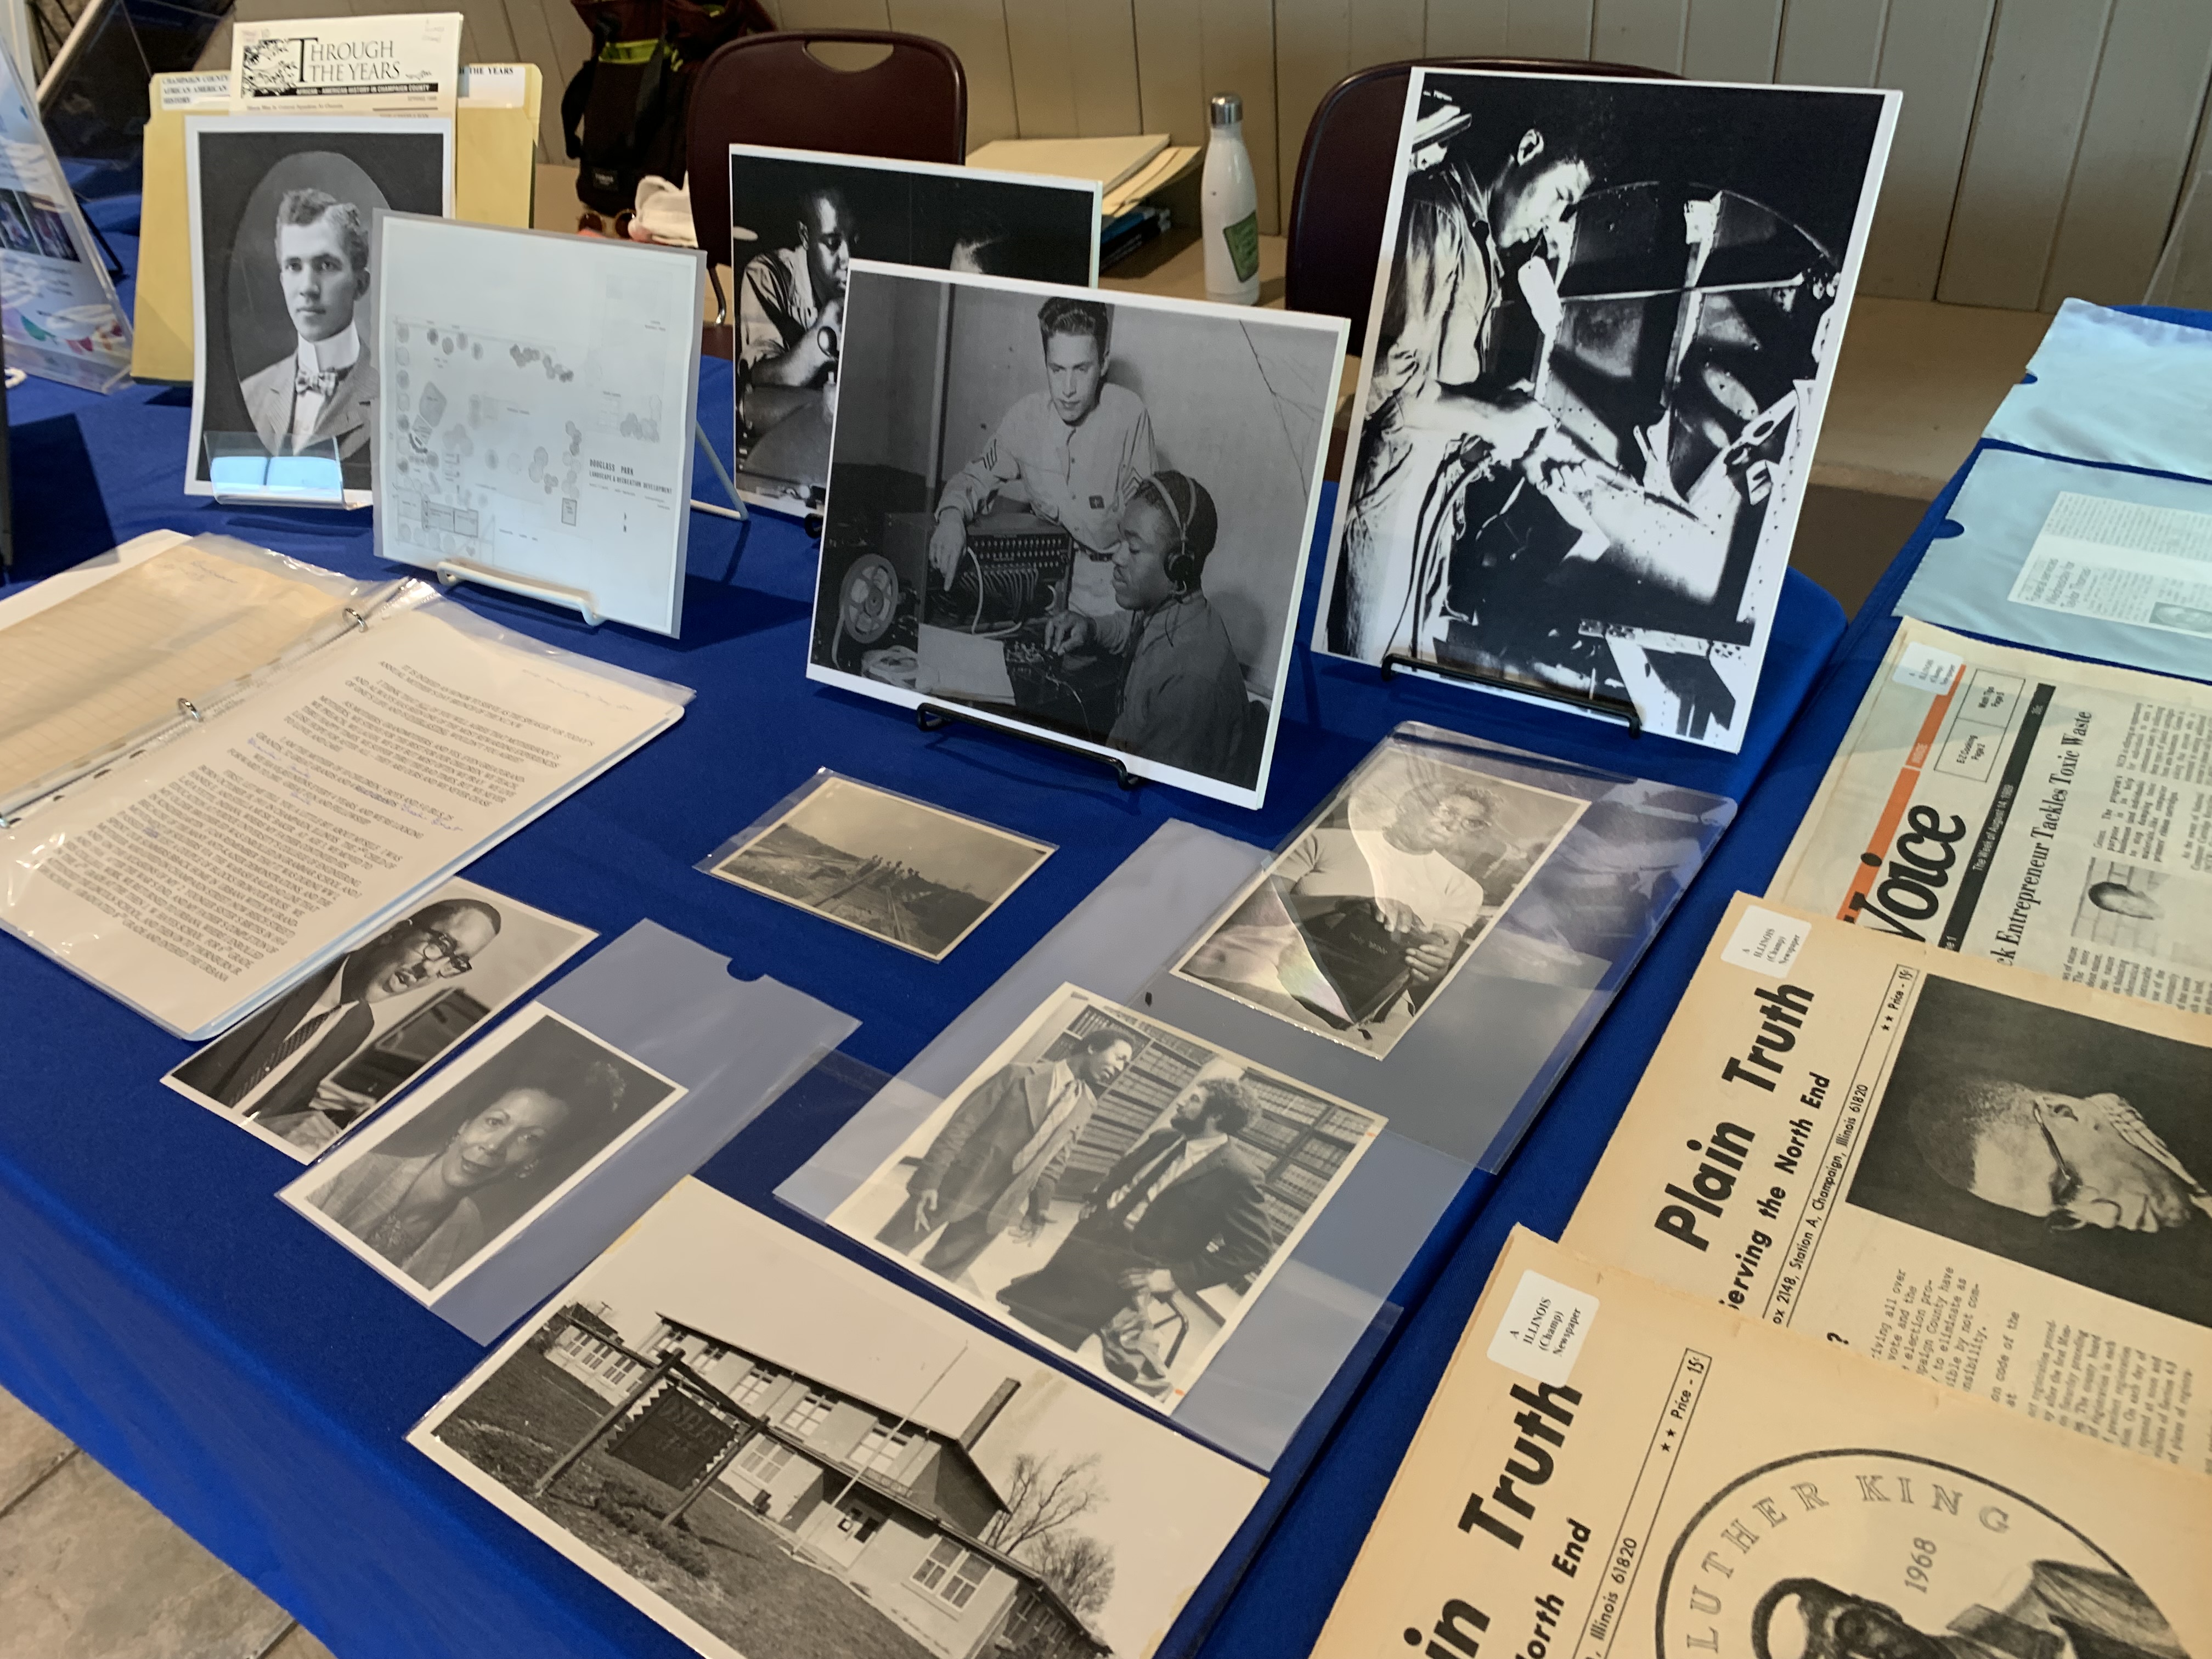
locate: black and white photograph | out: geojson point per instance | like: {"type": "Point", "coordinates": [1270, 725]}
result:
{"type": "Point", "coordinates": [1355, 927]}
{"type": "Point", "coordinates": [901, 871]}
{"type": "Point", "coordinates": [1080, 516]}
{"type": "Point", "coordinates": [799, 218]}
{"type": "Point", "coordinates": [432, 1187]}
{"type": "Point", "coordinates": [1592, 381]}
{"type": "Point", "coordinates": [282, 208]}
{"type": "Point", "coordinates": [770, 1451]}
{"type": "Point", "coordinates": [311, 1065]}
{"type": "Point", "coordinates": [1114, 1187]}
{"type": "Point", "coordinates": [2144, 909]}
{"type": "Point", "coordinates": [2062, 1142]}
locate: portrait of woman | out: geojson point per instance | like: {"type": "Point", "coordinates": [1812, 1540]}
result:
{"type": "Point", "coordinates": [425, 1192]}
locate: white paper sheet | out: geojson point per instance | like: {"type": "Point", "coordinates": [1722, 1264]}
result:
{"type": "Point", "coordinates": [201, 878]}
{"type": "Point", "coordinates": [536, 417]}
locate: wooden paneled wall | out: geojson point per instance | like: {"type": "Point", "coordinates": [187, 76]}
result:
{"type": "Point", "coordinates": [2040, 153]}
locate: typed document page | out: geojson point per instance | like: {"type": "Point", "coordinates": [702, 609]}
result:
{"type": "Point", "coordinates": [205, 877]}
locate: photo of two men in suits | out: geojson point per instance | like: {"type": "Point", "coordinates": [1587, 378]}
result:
{"type": "Point", "coordinates": [1113, 1187]}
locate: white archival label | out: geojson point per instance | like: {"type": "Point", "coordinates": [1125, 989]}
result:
{"type": "Point", "coordinates": [393, 65]}
{"type": "Point", "coordinates": [205, 89]}
{"type": "Point", "coordinates": [494, 86]}
{"type": "Point", "coordinates": [536, 415]}
{"type": "Point", "coordinates": [2122, 561]}
{"type": "Point", "coordinates": [1764, 942]}
{"type": "Point", "coordinates": [1543, 1328]}
{"type": "Point", "coordinates": [199, 880]}
{"type": "Point", "coordinates": [1926, 668]}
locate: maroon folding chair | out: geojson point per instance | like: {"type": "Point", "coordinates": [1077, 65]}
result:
{"type": "Point", "coordinates": [1343, 188]}
{"type": "Point", "coordinates": [911, 105]}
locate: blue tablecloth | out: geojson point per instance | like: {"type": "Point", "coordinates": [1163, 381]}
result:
{"type": "Point", "coordinates": [255, 1381]}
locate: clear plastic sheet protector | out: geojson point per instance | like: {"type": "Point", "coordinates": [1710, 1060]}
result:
{"type": "Point", "coordinates": [2107, 386]}
{"type": "Point", "coordinates": [26, 846]}
{"type": "Point", "coordinates": [1965, 581]}
{"type": "Point", "coordinates": [672, 1004]}
{"type": "Point", "coordinates": [1447, 1116]}
{"type": "Point", "coordinates": [946, 832]}
{"type": "Point", "coordinates": [99, 654]}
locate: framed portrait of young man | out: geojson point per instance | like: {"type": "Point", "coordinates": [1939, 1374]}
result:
{"type": "Point", "coordinates": [280, 210]}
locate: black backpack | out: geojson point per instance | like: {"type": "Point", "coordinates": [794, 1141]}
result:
{"type": "Point", "coordinates": [624, 110]}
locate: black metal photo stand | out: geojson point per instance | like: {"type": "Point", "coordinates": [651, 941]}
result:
{"type": "Point", "coordinates": [932, 717]}
{"type": "Point", "coordinates": [1591, 702]}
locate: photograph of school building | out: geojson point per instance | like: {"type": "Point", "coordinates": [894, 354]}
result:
{"type": "Point", "coordinates": [896, 1509]}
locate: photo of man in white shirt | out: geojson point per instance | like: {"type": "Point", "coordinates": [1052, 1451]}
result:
{"type": "Point", "coordinates": [326, 387]}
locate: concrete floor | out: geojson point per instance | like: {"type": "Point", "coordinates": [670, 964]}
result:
{"type": "Point", "coordinates": [89, 1570]}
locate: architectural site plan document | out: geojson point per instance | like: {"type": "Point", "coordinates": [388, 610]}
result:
{"type": "Point", "coordinates": [1609, 1470]}
{"type": "Point", "coordinates": [203, 873]}
{"type": "Point", "coordinates": [535, 425]}
{"type": "Point", "coordinates": [1990, 1178]}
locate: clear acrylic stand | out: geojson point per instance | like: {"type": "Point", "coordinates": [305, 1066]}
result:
{"type": "Point", "coordinates": [245, 472]}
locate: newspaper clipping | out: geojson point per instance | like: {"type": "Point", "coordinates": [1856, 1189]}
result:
{"type": "Point", "coordinates": [1990, 1179]}
{"type": "Point", "coordinates": [1607, 1467]}
{"type": "Point", "coordinates": [2038, 813]}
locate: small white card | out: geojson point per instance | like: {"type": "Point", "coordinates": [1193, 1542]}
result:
{"type": "Point", "coordinates": [1923, 667]}
{"type": "Point", "coordinates": [208, 89]}
{"type": "Point", "coordinates": [1544, 1329]}
{"type": "Point", "coordinates": [1764, 941]}
{"type": "Point", "coordinates": [493, 86]}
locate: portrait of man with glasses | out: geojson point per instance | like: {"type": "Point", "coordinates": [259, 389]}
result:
{"type": "Point", "coordinates": [2066, 1142]}
{"type": "Point", "coordinates": [270, 1068]}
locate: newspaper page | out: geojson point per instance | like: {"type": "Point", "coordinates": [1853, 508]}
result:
{"type": "Point", "coordinates": [202, 878]}
{"type": "Point", "coordinates": [2123, 561]}
{"type": "Point", "coordinates": [406, 64]}
{"type": "Point", "coordinates": [1993, 1180]}
{"type": "Point", "coordinates": [2039, 813]}
{"type": "Point", "coordinates": [1609, 1467]}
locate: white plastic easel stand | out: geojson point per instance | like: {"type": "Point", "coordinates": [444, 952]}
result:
{"type": "Point", "coordinates": [450, 571]}
{"type": "Point", "coordinates": [736, 507]}
{"type": "Point", "coordinates": [243, 471]}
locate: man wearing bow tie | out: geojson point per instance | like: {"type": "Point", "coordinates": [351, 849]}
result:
{"type": "Point", "coordinates": [1187, 1199]}
{"type": "Point", "coordinates": [325, 386]}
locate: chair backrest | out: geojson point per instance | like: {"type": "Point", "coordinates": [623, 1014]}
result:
{"type": "Point", "coordinates": [1343, 188]}
{"type": "Point", "coordinates": [911, 105]}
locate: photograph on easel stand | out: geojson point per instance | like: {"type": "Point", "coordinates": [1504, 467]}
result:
{"type": "Point", "coordinates": [1078, 518]}
{"type": "Point", "coordinates": [1592, 381]}
{"type": "Point", "coordinates": [535, 430]}
{"type": "Point", "coordinates": [282, 208]}
{"type": "Point", "coordinates": [798, 220]}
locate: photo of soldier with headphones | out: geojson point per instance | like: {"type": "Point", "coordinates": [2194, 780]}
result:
{"type": "Point", "coordinates": [1075, 514]}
